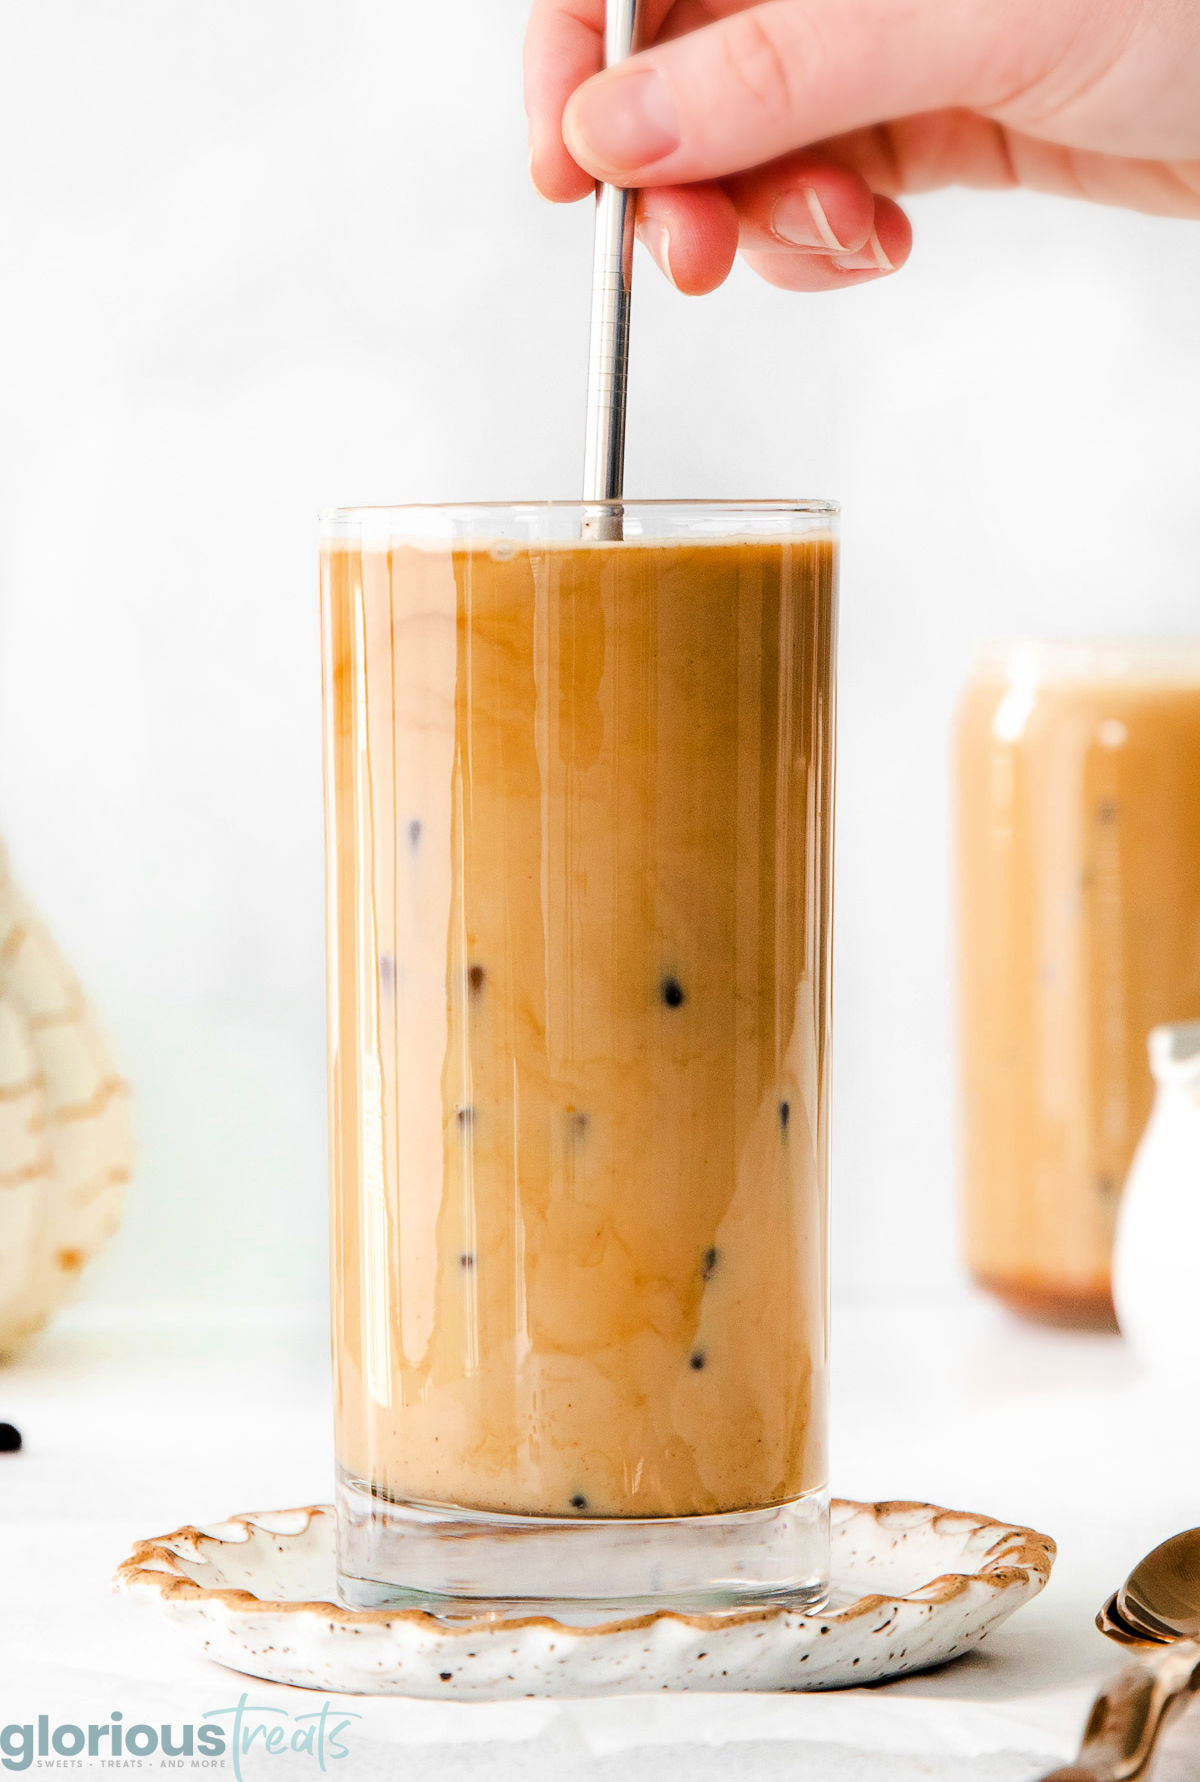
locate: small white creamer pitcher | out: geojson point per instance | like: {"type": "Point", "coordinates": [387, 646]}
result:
{"type": "Point", "coordinates": [1156, 1264]}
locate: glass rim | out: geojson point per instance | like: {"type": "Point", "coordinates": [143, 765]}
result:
{"type": "Point", "coordinates": [781, 504]}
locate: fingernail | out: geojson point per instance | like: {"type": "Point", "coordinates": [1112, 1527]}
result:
{"type": "Point", "coordinates": [622, 121]}
{"type": "Point", "coordinates": [799, 218]}
{"type": "Point", "coordinates": [868, 258]}
{"type": "Point", "coordinates": [657, 239]}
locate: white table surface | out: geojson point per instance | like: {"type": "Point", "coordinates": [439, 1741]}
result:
{"type": "Point", "coordinates": [136, 1424]}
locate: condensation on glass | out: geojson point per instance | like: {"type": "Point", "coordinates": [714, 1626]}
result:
{"type": "Point", "coordinates": [1078, 770]}
{"type": "Point", "coordinates": [579, 822]}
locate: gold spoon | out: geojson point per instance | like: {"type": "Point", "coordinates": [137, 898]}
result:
{"type": "Point", "coordinates": [1157, 1609]}
{"type": "Point", "coordinates": [1123, 1727]}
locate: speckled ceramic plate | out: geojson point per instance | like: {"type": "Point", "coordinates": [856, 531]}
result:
{"type": "Point", "coordinates": [913, 1586]}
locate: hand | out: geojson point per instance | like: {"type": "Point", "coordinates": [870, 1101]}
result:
{"type": "Point", "coordinates": [789, 128]}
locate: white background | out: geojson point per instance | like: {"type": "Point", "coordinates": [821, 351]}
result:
{"type": "Point", "coordinates": [261, 258]}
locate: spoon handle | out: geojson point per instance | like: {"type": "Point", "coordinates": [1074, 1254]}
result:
{"type": "Point", "coordinates": [1126, 1718]}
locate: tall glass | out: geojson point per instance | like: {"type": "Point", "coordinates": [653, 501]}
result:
{"type": "Point", "coordinates": [579, 826]}
{"type": "Point", "coordinates": [1078, 768]}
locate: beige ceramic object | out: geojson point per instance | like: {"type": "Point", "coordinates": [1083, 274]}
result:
{"type": "Point", "coordinates": [913, 1586]}
{"type": "Point", "coordinates": [64, 1125]}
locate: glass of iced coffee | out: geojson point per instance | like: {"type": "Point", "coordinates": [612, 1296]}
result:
{"type": "Point", "coordinates": [579, 801]}
{"type": "Point", "coordinates": [1078, 769]}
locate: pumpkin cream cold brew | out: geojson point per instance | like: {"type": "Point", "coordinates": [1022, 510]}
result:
{"type": "Point", "coordinates": [1079, 897]}
{"type": "Point", "coordinates": [580, 857]}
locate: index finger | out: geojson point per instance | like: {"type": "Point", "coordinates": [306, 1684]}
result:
{"type": "Point", "coordinates": [564, 46]}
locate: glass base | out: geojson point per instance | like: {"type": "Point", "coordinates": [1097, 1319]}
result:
{"type": "Point", "coordinates": [449, 1560]}
{"type": "Point", "coordinates": [1088, 1307]}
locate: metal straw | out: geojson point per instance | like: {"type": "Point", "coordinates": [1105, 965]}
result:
{"type": "Point", "coordinates": [608, 346]}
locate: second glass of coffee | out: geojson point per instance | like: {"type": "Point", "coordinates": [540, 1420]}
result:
{"type": "Point", "coordinates": [579, 820]}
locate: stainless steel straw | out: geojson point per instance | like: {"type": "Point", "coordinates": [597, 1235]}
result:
{"type": "Point", "coordinates": [608, 347]}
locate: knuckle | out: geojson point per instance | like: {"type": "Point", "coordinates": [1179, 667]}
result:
{"type": "Point", "coordinates": [759, 51]}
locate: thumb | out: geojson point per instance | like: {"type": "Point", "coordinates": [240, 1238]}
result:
{"type": "Point", "coordinates": [771, 78]}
